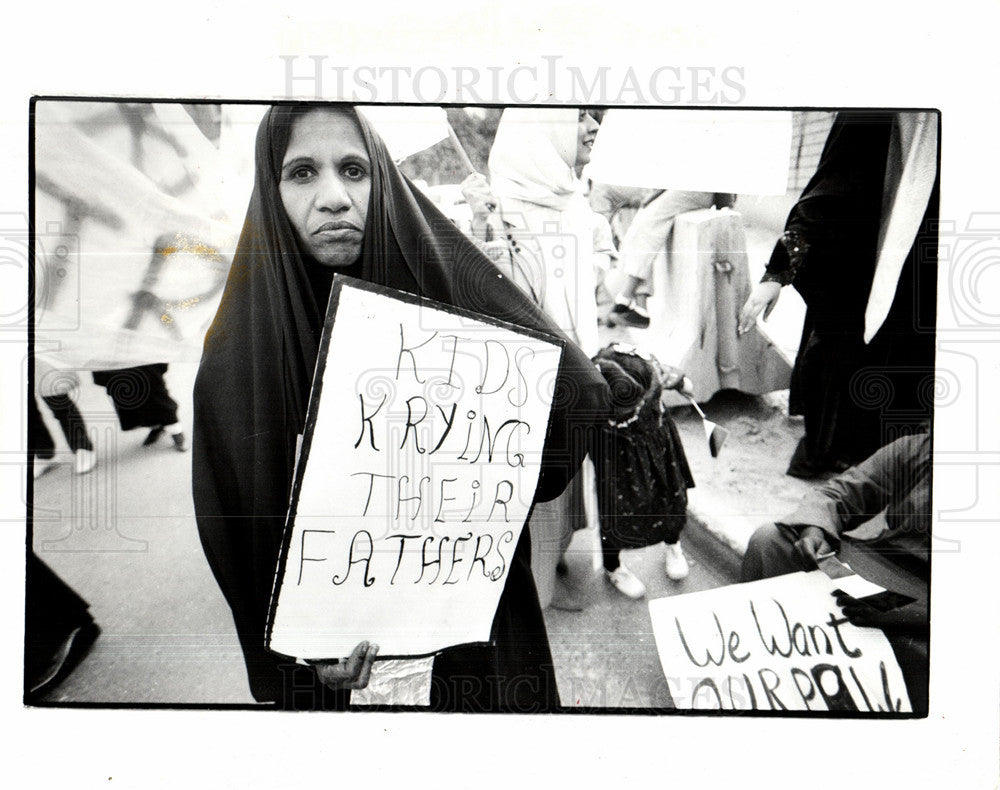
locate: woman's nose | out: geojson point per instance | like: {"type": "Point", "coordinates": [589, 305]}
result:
{"type": "Point", "coordinates": [592, 123]}
{"type": "Point", "coordinates": [331, 193]}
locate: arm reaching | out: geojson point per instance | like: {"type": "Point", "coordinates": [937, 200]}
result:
{"type": "Point", "coordinates": [763, 298]}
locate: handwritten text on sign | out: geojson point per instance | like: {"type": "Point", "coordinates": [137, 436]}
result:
{"type": "Point", "coordinates": [420, 471]}
{"type": "Point", "coordinates": [777, 644]}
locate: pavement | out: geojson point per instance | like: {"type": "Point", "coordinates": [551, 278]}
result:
{"type": "Point", "coordinates": [124, 537]}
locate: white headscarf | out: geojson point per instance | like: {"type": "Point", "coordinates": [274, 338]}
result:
{"type": "Point", "coordinates": [531, 172]}
{"type": "Point", "coordinates": [533, 155]}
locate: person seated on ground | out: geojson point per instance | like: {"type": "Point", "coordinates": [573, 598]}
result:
{"type": "Point", "coordinates": [895, 480]}
{"type": "Point", "coordinates": [646, 240]}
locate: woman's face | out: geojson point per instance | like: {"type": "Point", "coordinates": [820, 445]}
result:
{"type": "Point", "coordinates": [586, 131]}
{"type": "Point", "coordinates": [325, 184]}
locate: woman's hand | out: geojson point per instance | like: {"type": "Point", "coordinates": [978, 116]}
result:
{"type": "Point", "coordinates": [811, 547]}
{"type": "Point", "coordinates": [479, 195]}
{"type": "Point", "coordinates": [483, 203]}
{"type": "Point", "coordinates": [352, 673]}
{"type": "Point", "coordinates": [496, 250]}
{"type": "Point", "coordinates": [763, 298]}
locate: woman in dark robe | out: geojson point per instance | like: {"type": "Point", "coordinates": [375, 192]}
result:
{"type": "Point", "coordinates": [253, 385]}
{"type": "Point", "coordinates": [857, 393]}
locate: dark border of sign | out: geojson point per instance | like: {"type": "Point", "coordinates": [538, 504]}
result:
{"type": "Point", "coordinates": [340, 282]}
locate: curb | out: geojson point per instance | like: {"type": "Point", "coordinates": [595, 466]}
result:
{"type": "Point", "coordinates": [712, 545]}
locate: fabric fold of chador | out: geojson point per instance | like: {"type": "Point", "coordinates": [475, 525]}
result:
{"type": "Point", "coordinates": [911, 170]}
{"type": "Point", "coordinates": [253, 386]}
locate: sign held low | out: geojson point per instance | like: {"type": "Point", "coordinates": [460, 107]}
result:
{"type": "Point", "coordinates": [416, 475]}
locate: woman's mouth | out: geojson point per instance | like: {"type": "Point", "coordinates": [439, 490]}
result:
{"type": "Point", "coordinates": [337, 231]}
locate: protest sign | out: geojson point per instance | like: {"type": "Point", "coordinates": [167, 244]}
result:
{"type": "Point", "coordinates": [742, 151]}
{"type": "Point", "coordinates": [779, 644]}
{"type": "Point", "coordinates": [415, 476]}
{"type": "Point", "coordinates": [407, 130]}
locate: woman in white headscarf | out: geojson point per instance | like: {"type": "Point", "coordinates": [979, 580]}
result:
{"type": "Point", "coordinates": [544, 230]}
{"type": "Point", "coordinates": [547, 227]}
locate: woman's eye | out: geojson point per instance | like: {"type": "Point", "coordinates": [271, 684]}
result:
{"type": "Point", "coordinates": [301, 173]}
{"type": "Point", "coordinates": [354, 172]}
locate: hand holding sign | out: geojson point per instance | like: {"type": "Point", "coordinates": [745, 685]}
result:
{"type": "Point", "coordinates": [353, 673]}
{"type": "Point", "coordinates": [911, 618]}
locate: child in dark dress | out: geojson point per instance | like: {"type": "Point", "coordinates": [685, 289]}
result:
{"type": "Point", "coordinates": [642, 472]}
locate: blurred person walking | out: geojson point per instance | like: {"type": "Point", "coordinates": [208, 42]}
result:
{"type": "Point", "coordinates": [142, 400]}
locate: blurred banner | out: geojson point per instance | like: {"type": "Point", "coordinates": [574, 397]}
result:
{"type": "Point", "coordinates": [407, 130]}
{"type": "Point", "coordinates": [746, 152]}
{"type": "Point", "coordinates": [134, 230]}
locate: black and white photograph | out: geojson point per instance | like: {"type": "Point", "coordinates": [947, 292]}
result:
{"type": "Point", "coordinates": [402, 509]}
{"type": "Point", "coordinates": [629, 395]}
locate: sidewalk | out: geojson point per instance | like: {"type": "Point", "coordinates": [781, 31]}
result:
{"type": "Point", "coordinates": [605, 655]}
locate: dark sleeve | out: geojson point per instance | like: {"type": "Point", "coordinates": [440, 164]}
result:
{"type": "Point", "coordinates": [859, 494]}
{"type": "Point", "coordinates": [833, 226]}
{"type": "Point", "coordinates": [787, 258]}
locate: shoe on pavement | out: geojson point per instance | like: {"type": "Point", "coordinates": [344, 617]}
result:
{"type": "Point", "coordinates": [626, 582]}
{"type": "Point", "coordinates": [43, 465]}
{"type": "Point", "coordinates": [84, 461]}
{"type": "Point", "coordinates": [179, 443]}
{"type": "Point", "coordinates": [154, 434]}
{"type": "Point", "coordinates": [676, 563]}
{"type": "Point", "coordinates": [67, 656]}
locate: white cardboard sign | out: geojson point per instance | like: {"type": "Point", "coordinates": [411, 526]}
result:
{"type": "Point", "coordinates": [779, 644]}
{"type": "Point", "coordinates": [742, 151]}
{"type": "Point", "coordinates": [415, 477]}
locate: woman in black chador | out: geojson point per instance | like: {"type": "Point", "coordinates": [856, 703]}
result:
{"type": "Point", "coordinates": [328, 199]}
{"type": "Point", "coordinates": [860, 246]}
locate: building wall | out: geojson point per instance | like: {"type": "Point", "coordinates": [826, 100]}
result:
{"type": "Point", "coordinates": [809, 133]}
